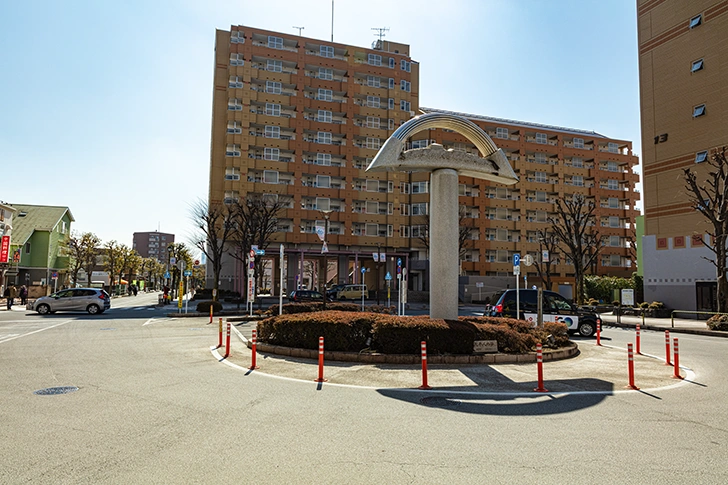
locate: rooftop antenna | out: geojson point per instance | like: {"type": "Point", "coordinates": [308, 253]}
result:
{"type": "Point", "coordinates": [381, 32]}
{"type": "Point", "coordinates": [299, 29]}
{"type": "Point", "coordinates": [332, 20]}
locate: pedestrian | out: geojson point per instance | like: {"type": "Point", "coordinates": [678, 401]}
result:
{"type": "Point", "coordinates": [11, 294]}
{"type": "Point", "coordinates": [23, 294]}
{"type": "Point", "coordinates": [134, 289]}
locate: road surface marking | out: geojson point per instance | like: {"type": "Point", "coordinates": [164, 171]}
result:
{"type": "Point", "coordinates": [149, 322]}
{"type": "Point", "coordinates": [36, 331]}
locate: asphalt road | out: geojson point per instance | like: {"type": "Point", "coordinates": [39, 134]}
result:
{"type": "Point", "coordinates": [154, 406]}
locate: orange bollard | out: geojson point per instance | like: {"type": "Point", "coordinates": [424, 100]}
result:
{"type": "Point", "coordinates": [630, 357]}
{"type": "Point", "coordinates": [539, 365]}
{"type": "Point", "coordinates": [227, 343]}
{"type": "Point", "coordinates": [210, 313]}
{"type": "Point", "coordinates": [637, 336]}
{"type": "Point", "coordinates": [423, 348]}
{"type": "Point", "coordinates": [254, 340]}
{"type": "Point", "coordinates": [667, 347]}
{"type": "Point", "coordinates": [676, 375]}
{"type": "Point", "coordinates": [599, 332]}
{"type": "Point", "coordinates": [219, 343]}
{"type": "Point", "coordinates": [321, 361]}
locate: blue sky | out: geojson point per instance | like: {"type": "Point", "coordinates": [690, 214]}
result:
{"type": "Point", "coordinates": [106, 106]}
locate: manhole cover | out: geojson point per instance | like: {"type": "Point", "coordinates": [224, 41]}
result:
{"type": "Point", "coordinates": [439, 401]}
{"type": "Point", "coordinates": [52, 391]}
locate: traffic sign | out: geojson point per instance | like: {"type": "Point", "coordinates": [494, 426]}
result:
{"type": "Point", "coordinates": [388, 277]}
{"type": "Point", "coordinates": [363, 270]}
{"type": "Point", "coordinates": [167, 275]}
{"type": "Point", "coordinates": [528, 260]}
{"type": "Point", "coordinates": [399, 262]}
{"type": "Point", "coordinates": [324, 248]}
{"type": "Point", "coordinates": [516, 259]}
{"type": "Point", "coordinates": [181, 264]}
{"type": "Point", "coordinates": [516, 270]}
{"type": "Point", "coordinates": [259, 252]}
{"type": "Point", "coordinates": [54, 275]}
{"type": "Point", "coordinates": [172, 260]}
{"type": "Point", "coordinates": [197, 262]}
{"type": "Point", "coordinates": [188, 272]}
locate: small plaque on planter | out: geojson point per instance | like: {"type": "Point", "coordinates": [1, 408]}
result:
{"type": "Point", "coordinates": [485, 346]}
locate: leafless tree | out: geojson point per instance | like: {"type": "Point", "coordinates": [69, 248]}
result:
{"type": "Point", "coordinates": [547, 241]}
{"type": "Point", "coordinates": [215, 224]}
{"type": "Point", "coordinates": [574, 226]}
{"type": "Point", "coordinates": [708, 194]}
{"type": "Point", "coordinates": [464, 223]}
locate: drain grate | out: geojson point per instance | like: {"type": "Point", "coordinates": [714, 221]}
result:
{"type": "Point", "coordinates": [53, 391]}
{"type": "Point", "coordinates": [439, 401]}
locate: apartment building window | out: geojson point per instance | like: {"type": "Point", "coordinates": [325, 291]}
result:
{"type": "Point", "coordinates": [232, 173]}
{"type": "Point", "coordinates": [613, 221]}
{"type": "Point", "coordinates": [404, 188]}
{"type": "Point", "coordinates": [271, 154]}
{"type": "Point", "coordinates": [420, 187]}
{"type": "Point", "coordinates": [326, 51]}
{"type": "Point", "coordinates": [391, 83]}
{"type": "Point", "coordinates": [270, 177]}
{"type": "Point", "coordinates": [541, 138]}
{"type": "Point", "coordinates": [614, 241]}
{"type": "Point", "coordinates": [231, 196]}
{"type": "Point", "coordinates": [275, 42]}
{"type": "Point", "coordinates": [578, 143]}
{"type": "Point", "coordinates": [274, 65]}
{"type": "Point", "coordinates": [613, 184]}
{"type": "Point", "coordinates": [273, 87]}
{"type": "Point", "coordinates": [374, 143]}
{"type": "Point", "coordinates": [326, 74]}
{"type": "Point", "coordinates": [374, 60]}
{"type": "Point", "coordinates": [540, 196]}
{"type": "Point", "coordinates": [613, 203]}
{"type": "Point", "coordinates": [420, 143]}
{"type": "Point", "coordinates": [232, 151]}
{"type": "Point", "coordinates": [373, 122]}
{"type": "Point", "coordinates": [234, 104]}
{"type": "Point", "coordinates": [235, 82]}
{"type": "Point", "coordinates": [405, 65]}
{"type": "Point", "coordinates": [390, 124]}
{"type": "Point", "coordinates": [612, 167]}
{"type": "Point", "coordinates": [325, 95]}
{"type": "Point", "coordinates": [372, 101]}
{"type": "Point", "coordinates": [391, 62]}
{"type": "Point", "coordinates": [612, 147]}
{"type": "Point", "coordinates": [404, 209]}
{"type": "Point", "coordinates": [404, 231]}
{"type": "Point", "coordinates": [541, 177]}
{"type": "Point", "coordinates": [700, 157]}
{"type": "Point", "coordinates": [405, 86]}
{"type": "Point", "coordinates": [697, 66]}
{"type": "Point", "coordinates": [615, 260]}
{"type": "Point", "coordinates": [373, 81]}
{"type": "Point", "coordinates": [236, 60]}
{"type": "Point", "coordinates": [323, 181]}
{"type": "Point", "coordinates": [372, 207]}
{"type": "Point", "coordinates": [419, 209]}
{"type": "Point", "coordinates": [501, 133]}
{"type": "Point", "coordinates": [699, 110]}
{"type": "Point", "coordinates": [236, 37]}
{"type": "Point", "coordinates": [272, 131]}
{"type": "Point", "coordinates": [577, 162]}
{"type": "Point", "coordinates": [272, 109]}
{"type": "Point", "coordinates": [371, 230]}
{"type": "Point", "coordinates": [323, 203]}
{"type": "Point", "coordinates": [404, 105]}
{"type": "Point", "coordinates": [325, 116]}
{"type": "Point", "coordinates": [541, 157]}
{"type": "Point", "coordinates": [323, 159]}
{"type": "Point", "coordinates": [577, 180]}
{"type": "Point", "coordinates": [695, 21]}
{"type": "Point", "coordinates": [234, 128]}
{"type": "Point", "coordinates": [323, 137]}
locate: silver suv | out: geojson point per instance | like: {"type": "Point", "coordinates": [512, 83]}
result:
{"type": "Point", "coordinates": [92, 300]}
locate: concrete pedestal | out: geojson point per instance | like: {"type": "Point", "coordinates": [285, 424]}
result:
{"type": "Point", "coordinates": [444, 231]}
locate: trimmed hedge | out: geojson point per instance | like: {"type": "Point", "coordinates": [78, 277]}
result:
{"type": "Point", "coordinates": [718, 322]}
{"type": "Point", "coordinates": [391, 334]}
{"type": "Point", "coordinates": [204, 306]}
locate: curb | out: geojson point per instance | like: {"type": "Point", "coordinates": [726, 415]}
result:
{"type": "Point", "coordinates": [376, 358]}
{"type": "Point", "coordinates": [707, 333]}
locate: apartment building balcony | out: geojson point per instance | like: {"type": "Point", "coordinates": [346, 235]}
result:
{"type": "Point", "coordinates": [282, 111]}
{"type": "Point", "coordinates": [275, 66]}
{"type": "Point", "coordinates": [336, 118]}
{"type": "Point", "coordinates": [274, 42]}
{"type": "Point", "coordinates": [614, 147]}
{"type": "Point", "coordinates": [325, 51]}
{"type": "Point", "coordinates": [325, 74]}
{"type": "Point", "coordinates": [323, 159]}
{"type": "Point", "coordinates": [336, 141]}
{"type": "Point", "coordinates": [578, 143]}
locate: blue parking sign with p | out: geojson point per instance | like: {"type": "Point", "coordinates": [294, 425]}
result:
{"type": "Point", "coordinates": [516, 259]}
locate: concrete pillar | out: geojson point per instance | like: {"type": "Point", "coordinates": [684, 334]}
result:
{"type": "Point", "coordinates": [444, 230]}
{"type": "Point", "coordinates": [343, 269]}
{"type": "Point", "coordinates": [292, 267]}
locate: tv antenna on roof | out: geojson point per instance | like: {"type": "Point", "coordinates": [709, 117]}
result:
{"type": "Point", "coordinates": [381, 31]}
{"type": "Point", "coordinates": [299, 29]}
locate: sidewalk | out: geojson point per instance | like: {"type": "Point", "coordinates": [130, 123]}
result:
{"type": "Point", "coordinates": [681, 325]}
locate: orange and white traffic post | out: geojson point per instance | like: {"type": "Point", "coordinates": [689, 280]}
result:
{"type": "Point", "coordinates": [630, 357]}
{"type": "Point", "coordinates": [599, 332]}
{"type": "Point", "coordinates": [210, 313]}
{"type": "Point", "coordinates": [667, 347]}
{"type": "Point", "coordinates": [219, 343]}
{"type": "Point", "coordinates": [321, 361]}
{"type": "Point", "coordinates": [254, 340]}
{"type": "Point", "coordinates": [539, 365]}
{"type": "Point", "coordinates": [423, 349]}
{"type": "Point", "coordinates": [676, 360]}
{"type": "Point", "coordinates": [227, 341]}
{"type": "Point", "coordinates": [637, 338]}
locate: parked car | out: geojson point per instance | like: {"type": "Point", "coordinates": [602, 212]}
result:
{"type": "Point", "coordinates": [556, 308]}
{"type": "Point", "coordinates": [333, 291]}
{"type": "Point", "coordinates": [92, 300]}
{"type": "Point", "coordinates": [352, 292]}
{"type": "Point", "coordinates": [305, 295]}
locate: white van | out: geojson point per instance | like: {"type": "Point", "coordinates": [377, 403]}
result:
{"type": "Point", "coordinates": [352, 292]}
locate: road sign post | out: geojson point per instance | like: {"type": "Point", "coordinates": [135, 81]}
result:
{"type": "Point", "coordinates": [517, 272]}
{"type": "Point", "coordinates": [363, 270]}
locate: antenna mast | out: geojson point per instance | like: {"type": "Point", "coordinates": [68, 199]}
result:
{"type": "Point", "coordinates": [380, 32]}
{"type": "Point", "coordinates": [299, 29]}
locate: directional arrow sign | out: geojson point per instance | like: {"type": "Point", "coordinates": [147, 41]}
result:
{"type": "Point", "coordinates": [388, 277]}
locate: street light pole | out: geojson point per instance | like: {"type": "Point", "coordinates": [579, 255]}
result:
{"type": "Point", "coordinates": [379, 254]}
{"type": "Point", "coordinates": [326, 251]}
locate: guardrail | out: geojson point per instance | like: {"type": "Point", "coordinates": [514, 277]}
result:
{"type": "Point", "coordinates": [672, 315]}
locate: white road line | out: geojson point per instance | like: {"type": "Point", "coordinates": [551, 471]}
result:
{"type": "Point", "coordinates": [36, 331]}
{"type": "Point", "coordinates": [8, 336]}
{"type": "Point", "coordinates": [149, 322]}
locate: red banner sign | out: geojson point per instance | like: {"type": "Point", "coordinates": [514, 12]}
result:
{"type": "Point", "coordinates": [4, 249]}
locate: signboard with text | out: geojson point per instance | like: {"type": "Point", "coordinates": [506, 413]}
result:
{"type": "Point", "coordinates": [4, 249]}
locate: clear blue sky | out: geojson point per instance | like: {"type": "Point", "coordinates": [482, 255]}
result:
{"type": "Point", "coordinates": [106, 106]}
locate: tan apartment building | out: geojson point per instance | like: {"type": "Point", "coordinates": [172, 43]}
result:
{"type": "Point", "coordinates": [303, 118]}
{"type": "Point", "coordinates": [683, 54]}
{"type": "Point", "coordinates": [153, 245]}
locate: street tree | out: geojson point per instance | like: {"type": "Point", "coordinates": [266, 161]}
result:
{"type": "Point", "coordinates": [547, 242]}
{"type": "Point", "coordinates": [114, 257]}
{"type": "Point", "coordinates": [125, 257]}
{"type": "Point", "coordinates": [79, 246]}
{"type": "Point", "coordinates": [574, 226]}
{"type": "Point", "coordinates": [180, 252]}
{"type": "Point", "coordinates": [215, 224]}
{"type": "Point", "coordinates": [256, 220]}
{"type": "Point", "coordinates": [707, 191]}
{"type": "Point", "coordinates": [89, 255]}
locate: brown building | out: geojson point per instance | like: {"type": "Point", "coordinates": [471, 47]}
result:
{"type": "Point", "coordinates": [303, 118]}
{"type": "Point", "coordinates": [152, 245]}
{"type": "Point", "coordinates": [683, 54]}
